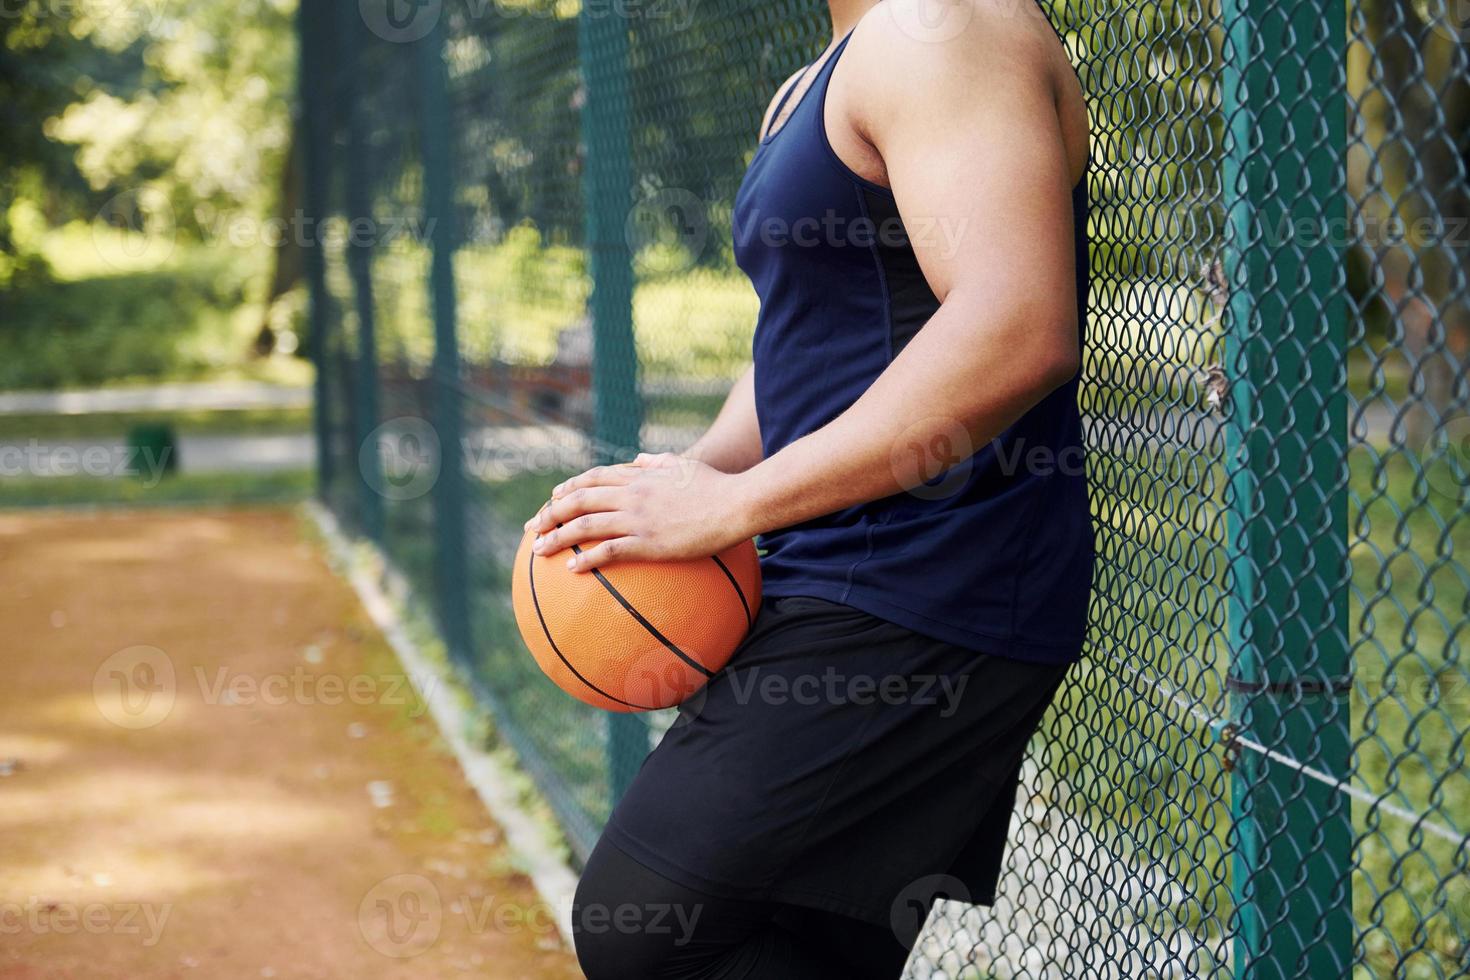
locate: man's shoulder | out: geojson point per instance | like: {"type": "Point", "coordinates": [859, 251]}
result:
{"type": "Point", "coordinates": [926, 41]}
{"type": "Point", "coordinates": [920, 67]}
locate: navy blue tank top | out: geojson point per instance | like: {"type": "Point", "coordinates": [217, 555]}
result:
{"type": "Point", "coordinates": [995, 552]}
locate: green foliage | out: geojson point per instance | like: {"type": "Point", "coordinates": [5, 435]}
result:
{"type": "Point", "coordinates": [183, 99]}
{"type": "Point", "coordinates": [207, 126]}
{"type": "Point", "coordinates": [516, 298]}
{"type": "Point", "coordinates": [41, 59]}
{"type": "Point", "coordinates": [185, 315]}
{"type": "Point", "coordinates": [166, 119]}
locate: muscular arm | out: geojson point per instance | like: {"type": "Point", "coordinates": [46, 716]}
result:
{"type": "Point", "coordinates": [974, 152]}
{"type": "Point", "coordinates": [971, 141]}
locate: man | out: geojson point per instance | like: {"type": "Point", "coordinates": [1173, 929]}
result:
{"type": "Point", "coordinates": [907, 446]}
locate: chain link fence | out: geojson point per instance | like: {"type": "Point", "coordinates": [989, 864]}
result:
{"type": "Point", "coordinates": [523, 266]}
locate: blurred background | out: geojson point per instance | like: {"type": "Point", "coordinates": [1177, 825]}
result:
{"type": "Point", "coordinates": [417, 261]}
{"type": "Point", "coordinates": [147, 156]}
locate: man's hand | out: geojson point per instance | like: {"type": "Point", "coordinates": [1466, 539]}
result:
{"type": "Point", "coordinates": [659, 507]}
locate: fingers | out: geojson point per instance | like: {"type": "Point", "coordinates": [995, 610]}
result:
{"type": "Point", "coordinates": [614, 549]}
{"type": "Point", "coordinates": [589, 527]}
{"type": "Point", "coordinates": [562, 510]}
{"type": "Point", "coordinates": [592, 507]}
{"type": "Point", "coordinates": [599, 476]}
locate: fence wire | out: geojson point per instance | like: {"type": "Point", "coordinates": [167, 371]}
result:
{"type": "Point", "coordinates": [524, 266]}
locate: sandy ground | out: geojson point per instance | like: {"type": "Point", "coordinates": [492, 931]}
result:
{"type": "Point", "coordinates": [210, 766]}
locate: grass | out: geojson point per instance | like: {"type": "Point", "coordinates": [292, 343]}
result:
{"type": "Point", "coordinates": [1146, 775]}
{"type": "Point", "coordinates": [192, 489]}
{"type": "Point", "coordinates": [110, 425]}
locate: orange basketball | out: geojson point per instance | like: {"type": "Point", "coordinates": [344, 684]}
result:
{"type": "Point", "coordinates": [635, 635]}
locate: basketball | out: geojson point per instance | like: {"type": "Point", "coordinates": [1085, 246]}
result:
{"type": "Point", "coordinates": [634, 635]}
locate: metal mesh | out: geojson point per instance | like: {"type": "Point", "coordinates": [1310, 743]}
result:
{"type": "Point", "coordinates": [1259, 767]}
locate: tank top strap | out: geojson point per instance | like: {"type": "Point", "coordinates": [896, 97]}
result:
{"type": "Point", "coordinates": [823, 81]}
{"type": "Point", "coordinates": [785, 96]}
{"type": "Point", "coordinates": [823, 75]}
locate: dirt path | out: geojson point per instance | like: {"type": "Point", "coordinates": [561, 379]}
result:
{"type": "Point", "coordinates": [210, 766]}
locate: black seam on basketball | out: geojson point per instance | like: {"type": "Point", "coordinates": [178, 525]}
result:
{"type": "Point", "coordinates": [531, 580]}
{"type": "Point", "coordinates": [673, 648]}
{"type": "Point", "coordinates": [738, 590]}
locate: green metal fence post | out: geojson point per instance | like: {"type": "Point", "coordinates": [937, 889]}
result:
{"type": "Point", "coordinates": [315, 131]}
{"type": "Point", "coordinates": [361, 241]}
{"type": "Point", "coordinates": [451, 578]}
{"type": "Point", "coordinates": [1286, 442]}
{"type": "Point", "coordinates": [607, 188]}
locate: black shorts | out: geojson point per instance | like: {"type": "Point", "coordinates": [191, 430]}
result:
{"type": "Point", "coordinates": [840, 762]}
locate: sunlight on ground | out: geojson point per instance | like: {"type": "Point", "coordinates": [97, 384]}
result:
{"type": "Point", "coordinates": [233, 836]}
